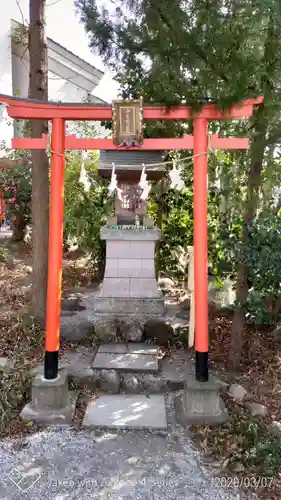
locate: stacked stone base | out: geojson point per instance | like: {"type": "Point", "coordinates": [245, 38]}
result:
{"type": "Point", "coordinates": [114, 382]}
{"type": "Point", "coordinates": [51, 402]}
{"type": "Point", "coordinates": [135, 306]}
{"type": "Point", "coordinates": [124, 318]}
{"type": "Point", "coordinates": [200, 403]}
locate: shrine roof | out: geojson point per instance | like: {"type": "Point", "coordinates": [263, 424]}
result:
{"type": "Point", "coordinates": [79, 104]}
{"type": "Point", "coordinates": [131, 160]}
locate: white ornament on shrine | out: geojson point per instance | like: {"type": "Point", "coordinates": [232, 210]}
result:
{"type": "Point", "coordinates": [176, 178]}
{"type": "Point", "coordinates": [144, 185]}
{"type": "Point", "coordinates": [84, 179]}
{"type": "Point", "coordinates": [113, 186]}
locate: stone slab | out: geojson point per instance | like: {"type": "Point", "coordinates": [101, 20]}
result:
{"type": "Point", "coordinates": [78, 363]}
{"type": "Point", "coordinates": [130, 348]}
{"type": "Point", "coordinates": [126, 362]}
{"type": "Point", "coordinates": [62, 416]}
{"type": "Point", "coordinates": [127, 412]}
{"type": "Point", "coordinates": [135, 306]}
{"type": "Point", "coordinates": [108, 233]}
{"type": "Point", "coordinates": [129, 287]}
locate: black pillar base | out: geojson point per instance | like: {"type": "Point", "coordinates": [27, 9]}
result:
{"type": "Point", "coordinates": [201, 366]}
{"type": "Point", "coordinates": [51, 365]}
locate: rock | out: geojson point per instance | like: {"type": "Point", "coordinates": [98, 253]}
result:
{"type": "Point", "coordinates": [163, 434]}
{"type": "Point", "coordinates": [173, 373]}
{"type": "Point", "coordinates": [185, 303]}
{"type": "Point", "coordinates": [130, 330]}
{"type": "Point", "coordinates": [75, 327]}
{"type": "Point", "coordinates": [256, 409]}
{"type": "Point", "coordinates": [135, 333]}
{"type": "Point", "coordinates": [237, 467]}
{"type": "Point", "coordinates": [159, 331]}
{"type": "Point", "coordinates": [109, 381]}
{"type": "Point", "coordinates": [275, 428]}
{"type": "Point", "coordinates": [222, 296]}
{"type": "Point", "coordinates": [131, 383]}
{"type": "Point", "coordinates": [153, 383]}
{"type": "Point", "coordinates": [165, 283]}
{"type": "Point", "coordinates": [237, 392]}
{"type": "Point", "coordinates": [6, 364]}
{"type": "Point", "coordinates": [277, 332]}
{"type": "Point", "coordinates": [10, 262]}
{"type": "Point", "coordinates": [183, 315]}
{"type": "Point", "coordinates": [105, 328]}
{"type": "Point", "coordinates": [71, 303]}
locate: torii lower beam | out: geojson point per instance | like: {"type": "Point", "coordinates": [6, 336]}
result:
{"type": "Point", "coordinates": [186, 142]}
{"type": "Point", "coordinates": [28, 109]}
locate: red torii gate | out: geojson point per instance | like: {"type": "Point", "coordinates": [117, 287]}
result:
{"type": "Point", "coordinates": [200, 142]}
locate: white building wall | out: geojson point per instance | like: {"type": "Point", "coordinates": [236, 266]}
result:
{"type": "Point", "coordinates": [14, 70]}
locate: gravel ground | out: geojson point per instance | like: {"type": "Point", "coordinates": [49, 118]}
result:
{"type": "Point", "coordinates": [65, 464]}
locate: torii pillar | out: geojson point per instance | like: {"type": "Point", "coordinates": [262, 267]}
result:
{"type": "Point", "coordinates": [200, 162]}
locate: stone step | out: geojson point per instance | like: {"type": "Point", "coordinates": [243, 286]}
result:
{"type": "Point", "coordinates": [79, 367]}
{"type": "Point", "coordinates": [122, 411]}
{"type": "Point", "coordinates": [127, 357]}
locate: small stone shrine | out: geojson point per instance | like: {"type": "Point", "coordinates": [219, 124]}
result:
{"type": "Point", "coordinates": [129, 294]}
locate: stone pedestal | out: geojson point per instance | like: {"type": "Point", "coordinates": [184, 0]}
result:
{"type": "Point", "coordinates": [129, 268]}
{"type": "Point", "coordinates": [200, 403]}
{"type": "Point", "coordinates": [51, 402]}
{"type": "Point", "coordinates": [129, 292]}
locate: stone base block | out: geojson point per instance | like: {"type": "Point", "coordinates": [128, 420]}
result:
{"type": "Point", "coordinates": [136, 306]}
{"type": "Point", "coordinates": [200, 403]}
{"type": "Point", "coordinates": [49, 394]}
{"type": "Point", "coordinates": [61, 416]}
{"type": "Point", "coordinates": [126, 411]}
{"type": "Point", "coordinates": [51, 402]}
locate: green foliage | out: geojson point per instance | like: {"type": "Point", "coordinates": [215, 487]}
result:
{"type": "Point", "coordinates": [85, 212]}
{"type": "Point", "coordinates": [176, 209]}
{"type": "Point", "coordinates": [184, 50]}
{"type": "Point", "coordinates": [16, 181]}
{"type": "Point", "coordinates": [14, 391]}
{"type": "Point", "coordinates": [262, 451]}
{"type": "Point", "coordinates": [263, 256]}
{"type": "Point", "coordinates": [3, 254]}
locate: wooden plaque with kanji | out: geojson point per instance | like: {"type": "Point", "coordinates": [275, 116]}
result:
{"type": "Point", "coordinates": [127, 121]}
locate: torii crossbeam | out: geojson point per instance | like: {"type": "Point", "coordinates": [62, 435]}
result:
{"type": "Point", "coordinates": [200, 142]}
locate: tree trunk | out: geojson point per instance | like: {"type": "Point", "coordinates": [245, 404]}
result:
{"type": "Point", "coordinates": [18, 226]}
{"type": "Point", "coordinates": [258, 146]}
{"type": "Point", "coordinates": [252, 203]}
{"type": "Point", "coordinates": [38, 89]}
{"type": "Point", "coordinates": [253, 189]}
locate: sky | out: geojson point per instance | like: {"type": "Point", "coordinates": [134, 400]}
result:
{"type": "Point", "coordinates": [64, 27]}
